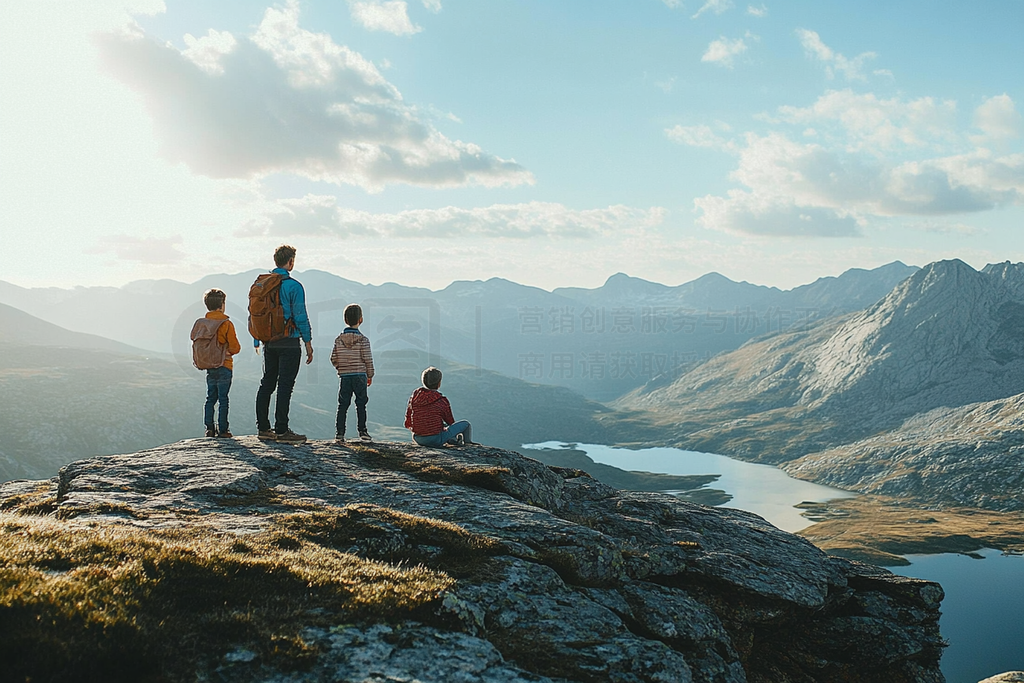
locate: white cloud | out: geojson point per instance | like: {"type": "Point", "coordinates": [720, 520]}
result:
{"type": "Point", "coordinates": [942, 227]}
{"type": "Point", "coordinates": [806, 189]}
{"type": "Point", "coordinates": [759, 12]}
{"type": "Point", "coordinates": [723, 51]}
{"type": "Point", "coordinates": [998, 120]}
{"type": "Point", "coordinates": [390, 16]}
{"type": "Point", "coordinates": [320, 215]}
{"type": "Point", "coordinates": [714, 6]}
{"type": "Point", "coordinates": [289, 100]}
{"type": "Point", "coordinates": [865, 122]}
{"type": "Point", "coordinates": [696, 136]}
{"type": "Point", "coordinates": [432, 5]}
{"type": "Point", "coordinates": [834, 61]}
{"type": "Point", "coordinates": [208, 51]}
{"type": "Point", "coordinates": [147, 250]}
{"type": "Point", "coordinates": [755, 214]}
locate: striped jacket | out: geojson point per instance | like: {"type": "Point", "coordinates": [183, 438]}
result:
{"type": "Point", "coordinates": [351, 354]}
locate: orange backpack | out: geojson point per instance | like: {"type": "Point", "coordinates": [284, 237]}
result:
{"type": "Point", "coordinates": [266, 314]}
{"type": "Point", "coordinates": [206, 352]}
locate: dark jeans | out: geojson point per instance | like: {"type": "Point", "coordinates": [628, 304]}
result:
{"type": "Point", "coordinates": [280, 368]}
{"type": "Point", "coordinates": [218, 384]}
{"type": "Point", "coordinates": [352, 385]}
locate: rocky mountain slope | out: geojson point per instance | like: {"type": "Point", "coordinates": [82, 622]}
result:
{"type": "Point", "coordinates": [393, 562]}
{"type": "Point", "coordinates": [971, 456]}
{"type": "Point", "coordinates": [946, 336]}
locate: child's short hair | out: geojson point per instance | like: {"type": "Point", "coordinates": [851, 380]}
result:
{"type": "Point", "coordinates": [214, 299]}
{"type": "Point", "coordinates": [431, 378]}
{"type": "Point", "coordinates": [353, 314]}
{"type": "Point", "coordinates": [283, 254]}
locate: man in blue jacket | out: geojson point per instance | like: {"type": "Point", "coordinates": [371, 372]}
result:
{"type": "Point", "coordinates": [282, 358]}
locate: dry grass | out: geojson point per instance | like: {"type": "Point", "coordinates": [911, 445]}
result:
{"type": "Point", "coordinates": [118, 603]}
{"type": "Point", "coordinates": [397, 537]}
{"type": "Point", "coordinates": [881, 530]}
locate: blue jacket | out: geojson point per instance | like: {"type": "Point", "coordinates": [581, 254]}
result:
{"type": "Point", "coordinates": [293, 301]}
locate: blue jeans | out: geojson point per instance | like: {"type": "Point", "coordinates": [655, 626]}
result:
{"type": "Point", "coordinates": [352, 385]}
{"type": "Point", "coordinates": [281, 361]}
{"type": "Point", "coordinates": [435, 440]}
{"type": "Point", "coordinates": [218, 384]}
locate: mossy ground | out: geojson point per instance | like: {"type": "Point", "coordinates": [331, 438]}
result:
{"type": "Point", "coordinates": [881, 530]}
{"type": "Point", "coordinates": [481, 476]}
{"type": "Point", "coordinates": [114, 602]}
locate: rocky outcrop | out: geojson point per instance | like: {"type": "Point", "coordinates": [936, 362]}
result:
{"type": "Point", "coordinates": [582, 582]}
{"type": "Point", "coordinates": [1008, 677]}
{"type": "Point", "coordinates": [968, 456]}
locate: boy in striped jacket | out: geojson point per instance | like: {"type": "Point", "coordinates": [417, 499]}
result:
{"type": "Point", "coordinates": [354, 362]}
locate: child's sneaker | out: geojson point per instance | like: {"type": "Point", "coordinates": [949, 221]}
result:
{"type": "Point", "coordinates": [291, 437]}
{"type": "Point", "coordinates": [226, 434]}
{"type": "Point", "coordinates": [365, 436]}
{"type": "Point", "coordinates": [267, 435]}
{"type": "Point", "coordinates": [340, 438]}
{"type": "Point", "coordinates": [460, 440]}
{"type": "Point", "coordinates": [211, 432]}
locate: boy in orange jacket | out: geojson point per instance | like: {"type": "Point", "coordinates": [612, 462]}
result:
{"type": "Point", "coordinates": [218, 379]}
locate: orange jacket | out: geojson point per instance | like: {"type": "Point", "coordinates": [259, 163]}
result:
{"type": "Point", "coordinates": [226, 336]}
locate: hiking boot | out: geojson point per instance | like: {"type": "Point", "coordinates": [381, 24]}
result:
{"type": "Point", "coordinates": [291, 438]}
{"type": "Point", "coordinates": [340, 438]}
{"type": "Point", "coordinates": [226, 434]}
{"type": "Point", "coordinates": [267, 435]}
{"type": "Point", "coordinates": [211, 432]}
{"type": "Point", "coordinates": [365, 436]}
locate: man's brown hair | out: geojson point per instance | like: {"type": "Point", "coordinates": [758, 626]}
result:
{"type": "Point", "coordinates": [214, 299]}
{"type": "Point", "coordinates": [283, 254]}
{"type": "Point", "coordinates": [431, 378]}
{"type": "Point", "coordinates": [353, 314]}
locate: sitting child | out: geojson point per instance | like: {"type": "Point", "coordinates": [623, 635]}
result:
{"type": "Point", "coordinates": [429, 415]}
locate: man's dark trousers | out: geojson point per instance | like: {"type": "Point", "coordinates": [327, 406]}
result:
{"type": "Point", "coordinates": [352, 385]}
{"type": "Point", "coordinates": [281, 360]}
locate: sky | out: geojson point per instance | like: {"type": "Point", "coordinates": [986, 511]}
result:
{"type": "Point", "coordinates": [549, 142]}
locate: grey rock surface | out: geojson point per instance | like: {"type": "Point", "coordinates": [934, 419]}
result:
{"type": "Point", "coordinates": [592, 584]}
{"type": "Point", "coordinates": [1008, 677]}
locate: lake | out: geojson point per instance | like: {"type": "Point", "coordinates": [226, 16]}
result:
{"type": "Point", "coordinates": [761, 489]}
{"type": "Point", "coordinates": [982, 612]}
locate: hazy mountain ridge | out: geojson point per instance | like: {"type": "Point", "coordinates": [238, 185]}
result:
{"type": "Point", "coordinates": [946, 336]}
{"type": "Point", "coordinates": [601, 342]}
{"type": "Point", "coordinates": [18, 327]}
{"type": "Point", "coordinates": [59, 403]}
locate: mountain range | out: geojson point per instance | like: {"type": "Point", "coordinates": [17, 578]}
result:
{"type": "Point", "coordinates": [600, 342]}
{"type": "Point", "coordinates": [945, 337]}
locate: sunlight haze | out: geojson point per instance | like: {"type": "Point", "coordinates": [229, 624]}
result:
{"type": "Point", "coordinates": [549, 143]}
